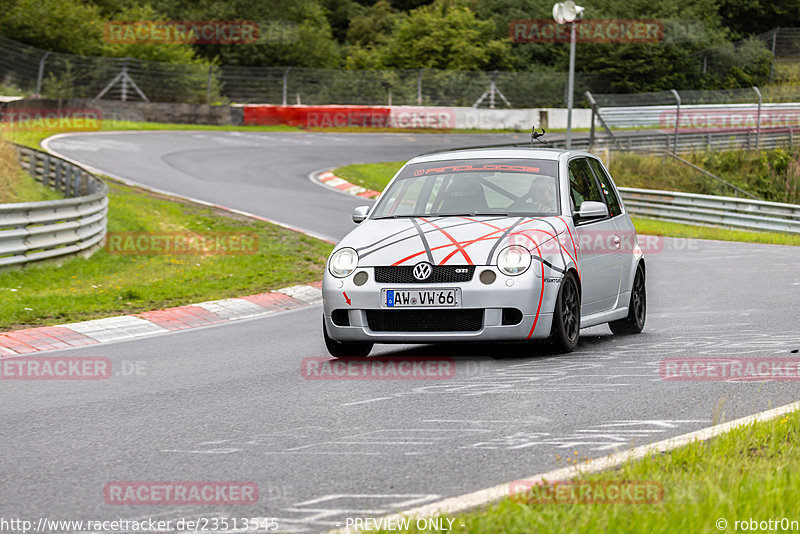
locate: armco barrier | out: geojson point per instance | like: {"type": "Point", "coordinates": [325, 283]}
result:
{"type": "Point", "coordinates": [32, 231]}
{"type": "Point", "coordinates": [710, 210]}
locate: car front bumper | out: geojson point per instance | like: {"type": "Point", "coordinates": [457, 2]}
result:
{"type": "Point", "coordinates": [527, 293]}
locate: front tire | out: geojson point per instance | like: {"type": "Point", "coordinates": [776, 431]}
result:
{"type": "Point", "coordinates": [339, 349]}
{"type": "Point", "coordinates": [637, 308]}
{"type": "Point", "coordinates": [566, 327]}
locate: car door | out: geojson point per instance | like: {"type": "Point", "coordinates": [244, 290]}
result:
{"type": "Point", "coordinates": [625, 227]}
{"type": "Point", "coordinates": [599, 242]}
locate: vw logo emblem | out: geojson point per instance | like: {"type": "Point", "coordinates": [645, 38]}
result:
{"type": "Point", "coordinates": [422, 271]}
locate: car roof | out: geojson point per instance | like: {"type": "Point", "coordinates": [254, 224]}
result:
{"type": "Point", "coordinates": [503, 152]}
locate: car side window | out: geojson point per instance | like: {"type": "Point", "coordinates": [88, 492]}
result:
{"type": "Point", "coordinates": [582, 184]}
{"type": "Point", "coordinates": [614, 207]}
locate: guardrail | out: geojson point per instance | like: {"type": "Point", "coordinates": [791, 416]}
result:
{"type": "Point", "coordinates": [710, 210]}
{"type": "Point", "coordinates": [33, 231]}
{"type": "Point", "coordinates": [645, 143]}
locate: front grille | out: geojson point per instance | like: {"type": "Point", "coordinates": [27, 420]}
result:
{"type": "Point", "coordinates": [425, 320]}
{"type": "Point", "coordinates": [442, 274]}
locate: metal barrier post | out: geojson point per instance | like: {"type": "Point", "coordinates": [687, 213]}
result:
{"type": "Point", "coordinates": [208, 87]}
{"type": "Point", "coordinates": [758, 119]}
{"type": "Point", "coordinates": [772, 63]}
{"type": "Point", "coordinates": [40, 75]}
{"type": "Point", "coordinates": [593, 105]}
{"type": "Point", "coordinates": [677, 117]}
{"type": "Point", "coordinates": [285, 83]}
{"type": "Point", "coordinates": [419, 87]}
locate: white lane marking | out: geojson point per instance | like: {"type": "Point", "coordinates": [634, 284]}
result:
{"type": "Point", "coordinates": [315, 453]}
{"type": "Point", "coordinates": [483, 497]}
{"type": "Point", "coordinates": [536, 420]}
{"type": "Point", "coordinates": [206, 451]}
{"type": "Point", "coordinates": [366, 401]}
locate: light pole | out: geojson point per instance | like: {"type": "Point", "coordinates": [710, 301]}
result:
{"type": "Point", "coordinates": [563, 13]}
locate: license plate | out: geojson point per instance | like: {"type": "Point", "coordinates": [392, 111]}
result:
{"type": "Point", "coordinates": [421, 298]}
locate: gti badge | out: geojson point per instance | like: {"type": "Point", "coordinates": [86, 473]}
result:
{"type": "Point", "coordinates": [422, 271]}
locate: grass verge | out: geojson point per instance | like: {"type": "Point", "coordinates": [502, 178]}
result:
{"type": "Point", "coordinates": [109, 284]}
{"type": "Point", "coordinates": [370, 175]}
{"type": "Point", "coordinates": [751, 472]}
{"type": "Point", "coordinates": [377, 175]}
{"type": "Point", "coordinates": [33, 137]}
{"type": "Point", "coordinates": [16, 185]}
{"type": "Point", "coordinates": [79, 289]}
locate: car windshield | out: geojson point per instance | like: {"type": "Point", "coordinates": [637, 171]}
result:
{"type": "Point", "coordinates": [472, 187]}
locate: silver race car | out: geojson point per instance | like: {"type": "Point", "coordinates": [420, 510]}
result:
{"type": "Point", "coordinates": [486, 245]}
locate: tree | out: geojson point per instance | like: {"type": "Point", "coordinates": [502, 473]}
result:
{"type": "Point", "coordinates": [446, 35]}
{"type": "Point", "coordinates": [68, 26]}
{"type": "Point", "coordinates": [374, 26]}
{"type": "Point", "coordinates": [751, 17]}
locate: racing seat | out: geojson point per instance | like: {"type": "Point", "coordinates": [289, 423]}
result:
{"type": "Point", "coordinates": [464, 197]}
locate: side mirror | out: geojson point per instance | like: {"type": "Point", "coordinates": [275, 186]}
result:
{"type": "Point", "coordinates": [360, 213]}
{"type": "Point", "coordinates": [591, 209]}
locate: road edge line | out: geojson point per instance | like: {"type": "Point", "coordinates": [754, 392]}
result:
{"type": "Point", "coordinates": [468, 501]}
{"type": "Point", "coordinates": [45, 145]}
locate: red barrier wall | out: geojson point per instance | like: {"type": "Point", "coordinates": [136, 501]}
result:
{"type": "Point", "coordinates": [318, 116]}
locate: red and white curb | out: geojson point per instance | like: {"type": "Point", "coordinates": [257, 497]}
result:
{"type": "Point", "coordinates": [331, 180]}
{"type": "Point", "coordinates": [158, 321]}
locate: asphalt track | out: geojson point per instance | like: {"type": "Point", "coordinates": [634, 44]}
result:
{"type": "Point", "coordinates": [228, 403]}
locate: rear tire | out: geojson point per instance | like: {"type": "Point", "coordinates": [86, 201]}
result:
{"type": "Point", "coordinates": [637, 308]}
{"type": "Point", "coordinates": [565, 332]}
{"type": "Point", "coordinates": [339, 349]}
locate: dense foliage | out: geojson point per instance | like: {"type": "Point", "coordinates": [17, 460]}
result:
{"type": "Point", "coordinates": [697, 51]}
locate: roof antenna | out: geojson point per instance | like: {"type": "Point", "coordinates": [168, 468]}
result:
{"type": "Point", "coordinates": [536, 135]}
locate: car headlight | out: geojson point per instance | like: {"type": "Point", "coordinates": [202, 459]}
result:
{"type": "Point", "coordinates": [343, 262]}
{"type": "Point", "coordinates": [514, 260]}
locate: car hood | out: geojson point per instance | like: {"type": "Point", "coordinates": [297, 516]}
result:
{"type": "Point", "coordinates": [448, 240]}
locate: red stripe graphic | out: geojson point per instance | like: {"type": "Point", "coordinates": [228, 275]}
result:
{"type": "Point", "coordinates": [456, 243]}
{"type": "Point", "coordinates": [541, 296]}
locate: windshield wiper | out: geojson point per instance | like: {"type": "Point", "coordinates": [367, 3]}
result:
{"type": "Point", "coordinates": [473, 214]}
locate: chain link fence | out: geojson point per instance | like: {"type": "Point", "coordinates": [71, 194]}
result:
{"type": "Point", "coordinates": [55, 75]}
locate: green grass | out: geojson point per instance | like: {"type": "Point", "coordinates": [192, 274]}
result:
{"type": "Point", "coordinates": [108, 284]}
{"type": "Point", "coordinates": [671, 229]}
{"type": "Point", "coordinates": [370, 175]}
{"type": "Point", "coordinates": [377, 175]}
{"type": "Point", "coordinates": [750, 472]}
{"type": "Point", "coordinates": [32, 138]}
{"type": "Point", "coordinates": [16, 185]}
